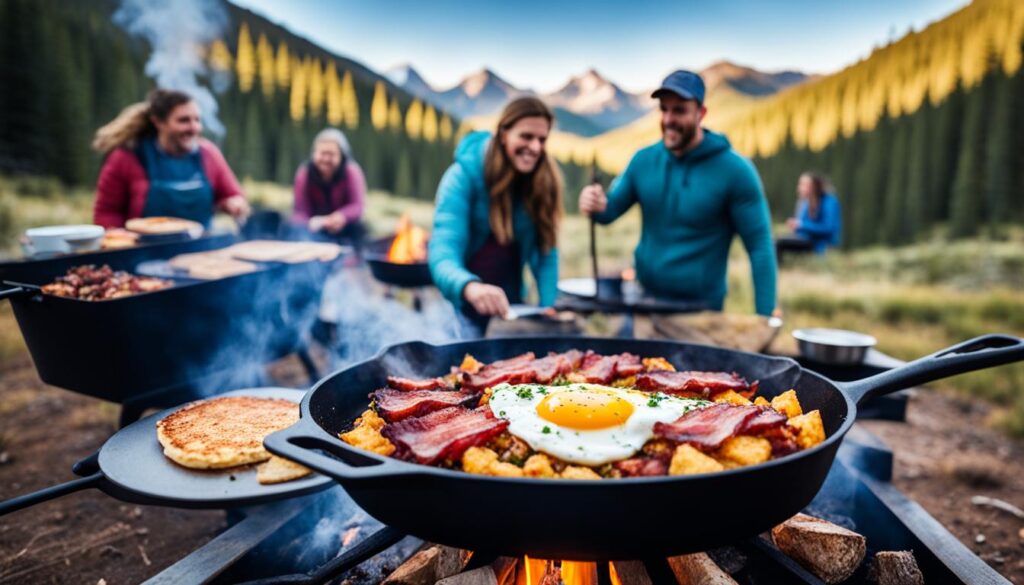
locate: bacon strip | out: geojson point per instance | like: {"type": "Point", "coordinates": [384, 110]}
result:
{"type": "Point", "coordinates": [708, 427]}
{"type": "Point", "coordinates": [702, 384]}
{"type": "Point", "coordinates": [442, 434]}
{"type": "Point", "coordinates": [547, 369]}
{"type": "Point", "coordinates": [395, 405]}
{"type": "Point", "coordinates": [602, 369]}
{"type": "Point", "coordinates": [408, 384]}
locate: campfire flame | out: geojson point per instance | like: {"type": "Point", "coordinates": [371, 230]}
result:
{"type": "Point", "coordinates": [542, 572]}
{"type": "Point", "coordinates": [410, 243]}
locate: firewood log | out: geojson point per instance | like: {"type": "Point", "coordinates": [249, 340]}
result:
{"type": "Point", "coordinates": [698, 569]}
{"type": "Point", "coordinates": [481, 576]}
{"type": "Point", "coordinates": [429, 565]}
{"type": "Point", "coordinates": [829, 551]}
{"type": "Point", "coordinates": [896, 568]}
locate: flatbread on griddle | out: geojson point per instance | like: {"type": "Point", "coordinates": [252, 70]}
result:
{"type": "Point", "coordinates": [224, 432]}
{"type": "Point", "coordinates": [279, 470]}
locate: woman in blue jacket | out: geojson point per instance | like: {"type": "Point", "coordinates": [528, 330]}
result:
{"type": "Point", "coordinates": [498, 209]}
{"type": "Point", "coordinates": [818, 221]}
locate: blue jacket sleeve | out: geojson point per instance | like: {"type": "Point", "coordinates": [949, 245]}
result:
{"type": "Point", "coordinates": [827, 224]}
{"type": "Point", "coordinates": [748, 210]}
{"type": "Point", "coordinates": [545, 272]}
{"type": "Point", "coordinates": [621, 196]}
{"type": "Point", "coordinates": [450, 240]}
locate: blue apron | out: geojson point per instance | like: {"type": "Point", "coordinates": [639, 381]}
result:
{"type": "Point", "coordinates": [178, 186]}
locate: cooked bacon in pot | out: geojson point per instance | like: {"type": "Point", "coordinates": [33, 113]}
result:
{"type": "Point", "coordinates": [395, 405]}
{"type": "Point", "coordinates": [409, 384]}
{"type": "Point", "coordinates": [707, 428]}
{"type": "Point", "coordinates": [443, 434]}
{"type": "Point", "coordinates": [700, 384]}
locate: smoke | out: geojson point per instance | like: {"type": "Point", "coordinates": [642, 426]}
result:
{"type": "Point", "coordinates": [178, 31]}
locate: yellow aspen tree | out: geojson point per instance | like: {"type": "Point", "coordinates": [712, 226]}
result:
{"type": "Point", "coordinates": [446, 127]}
{"type": "Point", "coordinates": [414, 120]}
{"type": "Point", "coordinates": [349, 101]}
{"type": "Point", "coordinates": [282, 66]}
{"type": "Point", "coordinates": [315, 83]}
{"type": "Point", "coordinates": [220, 57]}
{"type": "Point", "coordinates": [245, 60]}
{"type": "Point", "coordinates": [430, 124]}
{"type": "Point", "coordinates": [297, 98]}
{"type": "Point", "coordinates": [335, 112]}
{"type": "Point", "coordinates": [379, 107]}
{"type": "Point", "coordinates": [395, 115]}
{"type": "Point", "coordinates": [265, 61]}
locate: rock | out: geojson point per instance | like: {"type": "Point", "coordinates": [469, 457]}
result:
{"type": "Point", "coordinates": [980, 539]}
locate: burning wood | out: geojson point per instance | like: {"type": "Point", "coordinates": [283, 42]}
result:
{"type": "Point", "coordinates": [698, 569]}
{"type": "Point", "coordinates": [410, 243]}
{"type": "Point", "coordinates": [896, 568]}
{"type": "Point", "coordinates": [829, 551]}
{"type": "Point", "coordinates": [429, 565]}
{"type": "Point", "coordinates": [628, 573]}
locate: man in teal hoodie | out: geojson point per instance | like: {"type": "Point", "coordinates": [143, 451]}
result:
{"type": "Point", "coordinates": [695, 193]}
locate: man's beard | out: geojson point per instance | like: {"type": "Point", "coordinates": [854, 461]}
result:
{"type": "Point", "coordinates": [686, 135]}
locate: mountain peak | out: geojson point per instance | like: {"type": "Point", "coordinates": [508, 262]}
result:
{"type": "Point", "coordinates": [476, 83]}
{"type": "Point", "coordinates": [747, 80]}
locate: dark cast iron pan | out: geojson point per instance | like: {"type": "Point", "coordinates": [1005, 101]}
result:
{"type": "Point", "coordinates": [133, 468]}
{"type": "Point", "coordinates": [412, 275]}
{"type": "Point", "coordinates": [605, 519]}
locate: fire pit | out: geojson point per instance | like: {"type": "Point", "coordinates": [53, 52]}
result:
{"type": "Point", "coordinates": [401, 259]}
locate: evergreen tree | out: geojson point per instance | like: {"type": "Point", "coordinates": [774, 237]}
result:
{"type": "Point", "coordinates": [967, 204]}
{"type": "Point", "coordinates": [1000, 145]}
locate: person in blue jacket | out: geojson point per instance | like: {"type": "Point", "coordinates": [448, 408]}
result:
{"type": "Point", "coordinates": [497, 210]}
{"type": "Point", "coordinates": [696, 194]}
{"type": "Point", "coordinates": [818, 218]}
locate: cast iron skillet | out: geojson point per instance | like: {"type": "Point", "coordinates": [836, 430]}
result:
{"type": "Point", "coordinates": [606, 519]}
{"type": "Point", "coordinates": [412, 275]}
{"type": "Point", "coordinates": [132, 468]}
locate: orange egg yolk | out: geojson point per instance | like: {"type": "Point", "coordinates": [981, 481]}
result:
{"type": "Point", "coordinates": [585, 409]}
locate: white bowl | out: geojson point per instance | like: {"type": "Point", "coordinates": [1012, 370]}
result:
{"type": "Point", "coordinates": [57, 239]}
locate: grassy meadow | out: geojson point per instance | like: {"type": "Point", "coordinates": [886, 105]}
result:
{"type": "Point", "coordinates": [915, 299]}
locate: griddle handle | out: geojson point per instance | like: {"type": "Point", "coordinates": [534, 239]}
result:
{"type": "Point", "coordinates": [303, 441]}
{"type": "Point", "coordinates": [50, 493]}
{"type": "Point", "coordinates": [975, 354]}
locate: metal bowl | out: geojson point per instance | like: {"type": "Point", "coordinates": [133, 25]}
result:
{"type": "Point", "coordinates": [836, 347]}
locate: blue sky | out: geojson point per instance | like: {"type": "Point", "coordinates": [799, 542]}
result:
{"type": "Point", "coordinates": [539, 44]}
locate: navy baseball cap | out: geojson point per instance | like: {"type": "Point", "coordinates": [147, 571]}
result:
{"type": "Point", "coordinates": [686, 84]}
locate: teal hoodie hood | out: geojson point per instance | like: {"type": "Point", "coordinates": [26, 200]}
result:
{"type": "Point", "coordinates": [462, 226]}
{"type": "Point", "coordinates": [692, 207]}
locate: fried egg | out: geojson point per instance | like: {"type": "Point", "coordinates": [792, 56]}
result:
{"type": "Point", "coordinates": [586, 424]}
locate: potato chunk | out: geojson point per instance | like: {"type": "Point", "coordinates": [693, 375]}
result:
{"type": "Point", "coordinates": [731, 397]}
{"type": "Point", "coordinates": [687, 461]}
{"type": "Point", "coordinates": [657, 363]}
{"type": "Point", "coordinates": [787, 404]}
{"type": "Point", "coordinates": [809, 429]}
{"type": "Point", "coordinates": [483, 461]}
{"type": "Point", "coordinates": [366, 435]}
{"type": "Point", "coordinates": [576, 472]}
{"type": "Point", "coordinates": [760, 401]}
{"type": "Point", "coordinates": [539, 465]}
{"type": "Point", "coordinates": [744, 450]}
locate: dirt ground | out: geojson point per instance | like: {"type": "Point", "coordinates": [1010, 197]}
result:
{"type": "Point", "coordinates": [944, 456]}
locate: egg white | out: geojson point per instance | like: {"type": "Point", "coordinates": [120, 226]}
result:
{"type": "Point", "coordinates": [518, 405]}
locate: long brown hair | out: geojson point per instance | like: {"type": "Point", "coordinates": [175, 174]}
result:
{"type": "Point", "coordinates": [821, 186]}
{"type": "Point", "coordinates": [541, 189]}
{"type": "Point", "coordinates": [135, 121]}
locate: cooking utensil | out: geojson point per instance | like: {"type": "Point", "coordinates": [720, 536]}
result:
{"type": "Point", "coordinates": [133, 468]}
{"type": "Point", "coordinates": [606, 519]}
{"type": "Point", "coordinates": [581, 295]}
{"type": "Point", "coordinates": [836, 347]}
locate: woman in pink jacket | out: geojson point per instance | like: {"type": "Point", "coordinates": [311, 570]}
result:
{"type": "Point", "coordinates": [330, 190]}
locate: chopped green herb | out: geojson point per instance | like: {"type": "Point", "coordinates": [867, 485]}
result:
{"type": "Point", "coordinates": [546, 430]}
{"type": "Point", "coordinates": [524, 393]}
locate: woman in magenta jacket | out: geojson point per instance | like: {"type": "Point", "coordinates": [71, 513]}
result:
{"type": "Point", "coordinates": [330, 190]}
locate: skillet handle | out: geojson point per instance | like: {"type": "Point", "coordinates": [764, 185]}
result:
{"type": "Point", "coordinates": [51, 493]}
{"type": "Point", "coordinates": [976, 354]}
{"type": "Point", "coordinates": [299, 441]}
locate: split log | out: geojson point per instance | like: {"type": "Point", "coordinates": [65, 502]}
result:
{"type": "Point", "coordinates": [631, 573]}
{"type": "Point", "coordinates": [481, 576]}
{"type": "Point", "coordinates": [698, 569]}
{"type": "Point", "coordinates": [429, 565]}
{"type": "Point", "coordinates": [505, 569]}
{"type": "Point", "coordinates": [896, 568]}
{"type": "Point", "coordinates": [829, 551]}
